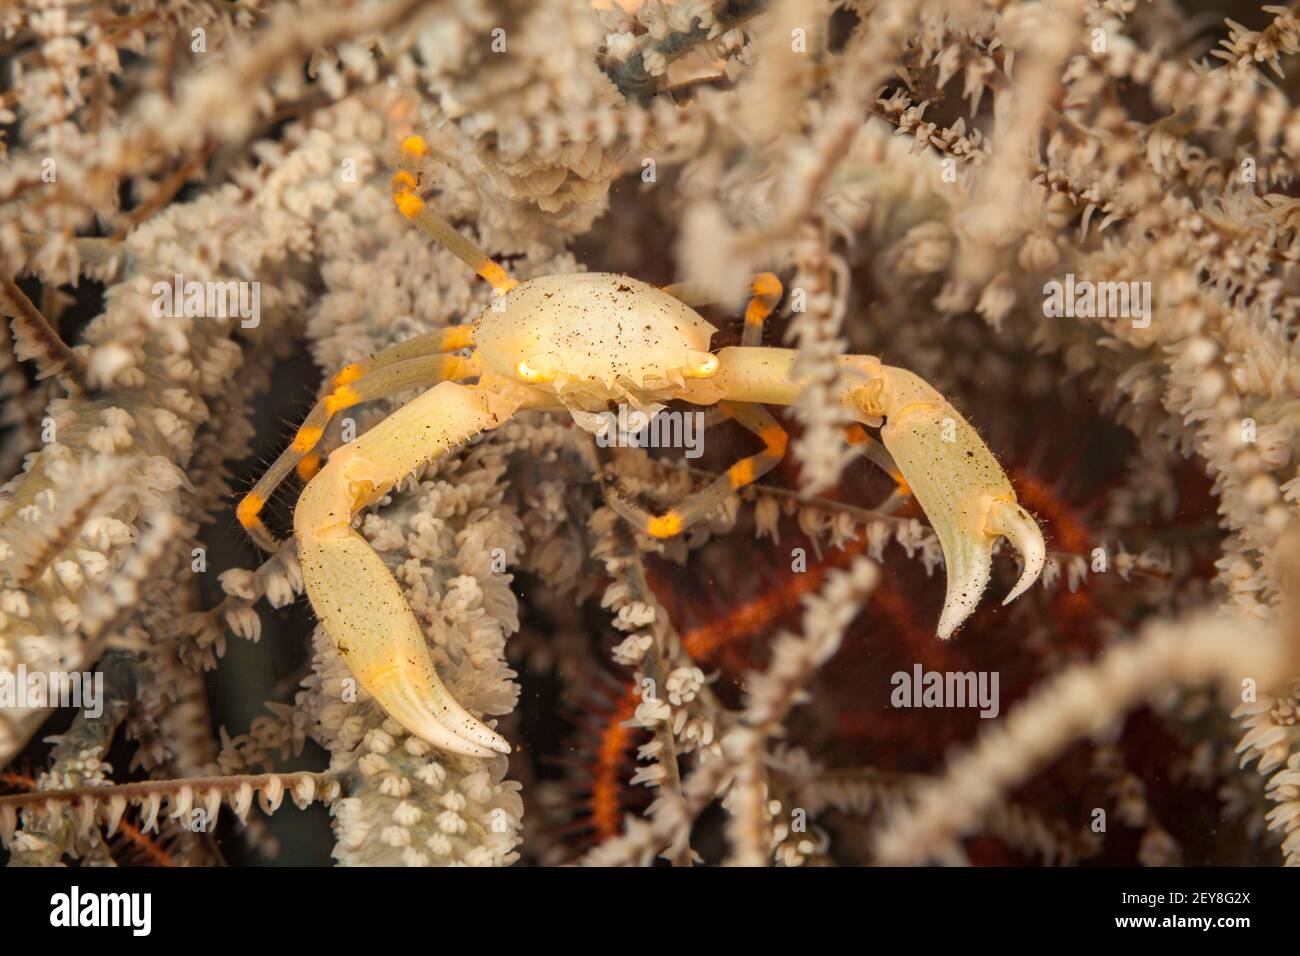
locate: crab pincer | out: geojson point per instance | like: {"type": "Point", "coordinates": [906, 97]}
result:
{"type": "Point", "coordinates": [957, 481]}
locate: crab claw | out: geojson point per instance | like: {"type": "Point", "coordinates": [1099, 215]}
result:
{"type": "Point", "coordinates": [359, 603]}
{"type": "Point", "coordinates": [365, 614]}
{"type": "Point", "coordinates": [424, 706]}
{"type": "Point", "coordinates": [1011, 521]}
{"type": "Point", "coordinates": [962, 489]}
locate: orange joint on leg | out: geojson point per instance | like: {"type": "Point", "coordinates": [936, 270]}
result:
{"type": "Point", "coordinates": [497, 277]}
{"type": "Point", "coordinates": [775, 438]}
{"type": "Point", "coordinates": [308, 467]}
{"type": "Point", "coordinates": [857, 435]}
{"type": "Point", "coordinates": [249, 509]}
{"type": "Point", "coordinates": [664, 526]}
{"type": "Point", "coordinates": [342, 397]}
{"type": "Point", "coordinates": [741, 473]}
{"type": "Point", "coordinates": [458, 368]}
{"type": "Point", "coordinates": [766, 290]}
{"type": "Point", "coordinates": [409, 204]}
{"type": "Point", "coordinates": [459, 337]}
{"type": "Point", "coordinates": [349, 374]}
{"type": "Point", "coordinates": [415, 145]}
{"type": "Point", "coordinates": [766, 284]}
{"type": "Point", "coordinates": [403, 182]}
{"type": "Point", "coordinates": [306, 439]}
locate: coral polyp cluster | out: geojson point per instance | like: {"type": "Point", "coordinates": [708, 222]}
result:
{"type": "Point", "coordinates": [239, 245]}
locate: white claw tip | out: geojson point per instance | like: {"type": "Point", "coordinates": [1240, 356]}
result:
{"type": "Point", "coordinates": [968, 560]}
{"type": "Point", "coordinates": [1011, 521]}
{"type": "Point", "coordinates": [418, 700]}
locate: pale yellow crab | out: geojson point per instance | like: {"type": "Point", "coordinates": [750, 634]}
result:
{"type": "Point", "coordinates": [577, 343]}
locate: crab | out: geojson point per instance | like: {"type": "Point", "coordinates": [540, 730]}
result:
{"type": "Point", "coordinates": [577, 343]}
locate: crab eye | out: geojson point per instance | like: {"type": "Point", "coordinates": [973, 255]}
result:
{"type": "Point", "coordinates": [535, 370]}
{"type": "Point", "coordinates": [700, 365]}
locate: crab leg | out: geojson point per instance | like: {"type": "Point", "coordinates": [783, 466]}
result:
{"type": "Point", "coordinates": [358, 601]}
{"type": "Point", "coordinates": [439, 342]}
{"type": "Point", "coordinates": [389, 373]}
{"type": "Point", "coordinates": [857, 436]}
{"type": "Point", "coordinates": [952, 473]}
{"type": "Point", "coordinates": [756, 419]}
{"type": "Point", "coordinates": [406, 185]}
{"type": "Point", "coordinates": [765, 292]}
